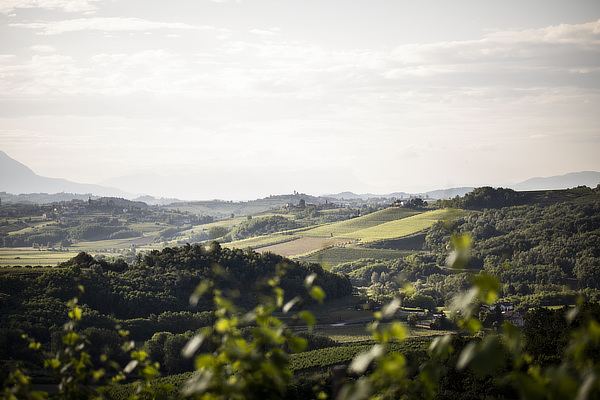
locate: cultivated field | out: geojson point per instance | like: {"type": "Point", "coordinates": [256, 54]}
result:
{"type": "Point", "coordinates": [358, 332]}
{"type": "Point", "coordinates": [25, 257]}
{"type": "Point", "coordinates": [302, 246]}
{"type": "Point", "coordinates": [338, 255]}
{"type": "Point", "coordinates": [261, 241]}
{"type": "Point", "coordinates": [349, 227]}
{"type": "Point", "coordinates": [340, 242]}
{"type": "Point", "coordinates": [398, 228]}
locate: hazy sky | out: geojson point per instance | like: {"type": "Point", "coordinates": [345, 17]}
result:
{"type": "Point", "coordinates": [207, 99]}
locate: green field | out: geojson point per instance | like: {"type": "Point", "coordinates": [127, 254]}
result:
{"type": "Point", "coordinates": [329, 356]}
{"type": "Point", "coordinates": [338, 255]}
{"type": "Point", "coordinates": [351, 226]}
{"type": "Point", "coordinates": [261, 241]}
{"type": "Point", "coordinates": [358, 332]}
{"type": "Point", "coordinates": [25, 257]}
{"type": "Point", "coordinates": [303, 246]}
{"type": "Point", "coordinates": [390, 223]}
{"type": "Point", "coordinates": [399, 228]}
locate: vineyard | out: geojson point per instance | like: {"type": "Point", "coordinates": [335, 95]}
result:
{"type": "Point", "coordinates": [24, 257]}
{"type": "Point", "coordinates": [351, 226]}
{"type": "Point", "coordinates": [261, 241]}
{"type": "Point", "coordinates": [330, 356]}
{"type": "Point", "coordinates": [302, 246]}
{"type": "Point", "coordinates": [338, 255]}
{"type": "Point", "coordinates": [398, 228]}
{"type": "Point", "coordinates": [310, 360]}
{"type": "Point", "coordinates": [336, 242]}
{"type": "Point", "coordinates": [353, 333]}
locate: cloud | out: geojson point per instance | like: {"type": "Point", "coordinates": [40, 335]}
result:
{"type": "Point", "coordinates": [292, 80]}
{"type": "Point", "coordinates": [538, 136]}
{"type": "Point", "coordinates": [85, 6]}
{"type": "Point", "coordinates": [506, 46]}
{"type": "Point", "coordinates": [102, 24]}
{"type": "Point", "coordinates": [265, 32]}
{"type": "Point", "coordinates": [43, 49]}
{"type": "Point", "coordinates": [584, 35]}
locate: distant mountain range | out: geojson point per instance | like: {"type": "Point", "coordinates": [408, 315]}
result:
{"type": "Point", "coordinates": [573, 179]}
{"type": "Point", "coordinates": [26, 186]}
{"type": "Point", "coordinates": [20, 183]}
{"type": "Point", "coordinates": [17, 178]}
{"type": "Point", "coordinates": [433, 194]}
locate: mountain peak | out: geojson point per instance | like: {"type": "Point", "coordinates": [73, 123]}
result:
{"type": "Point", "coordinates": [17, 178]}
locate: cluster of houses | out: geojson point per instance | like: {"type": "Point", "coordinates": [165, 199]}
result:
{"type": "Point", "coordinates": [508, 313]}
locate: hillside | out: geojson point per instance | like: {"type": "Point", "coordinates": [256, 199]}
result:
{"type": "Point", "coordinates": [340, 241]}
{"type": "Point", "coordinates": [545, 252]}
{"type": "Point", "coordinates": [222, 208]}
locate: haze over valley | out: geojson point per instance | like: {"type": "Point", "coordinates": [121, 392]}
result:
{"type": "Point", "coordinates": [18, 179]}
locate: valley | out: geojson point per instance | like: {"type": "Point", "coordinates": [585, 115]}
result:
{"type": "Point", "coordinates": [385, 275]}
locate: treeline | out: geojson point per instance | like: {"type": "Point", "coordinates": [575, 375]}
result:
{"type": "Point", "coordinates": [534, 246]}
{"type": "Point", "coordinates": [52, 235]}
{"type": "Point", "coordinates": [546, 253]}
{"type": "Point", "coordinates": [488, 197]}
{"type": "Point", "coordinates": [261, 226]}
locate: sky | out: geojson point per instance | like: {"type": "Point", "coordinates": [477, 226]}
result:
{"type": "Point", "coordinates": [238, 100]}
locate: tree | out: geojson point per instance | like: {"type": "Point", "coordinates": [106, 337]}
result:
{"type": "Point", "coordinates": [375, 278]}
{"type": "Point", "coordinates": [421, 301]}
{"type": "Point", "coordinates": [217, 232]}
{"type": "Point", "coordinates": [412, 319]}
{"type": "Point", "coordinates": [416, 202]}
